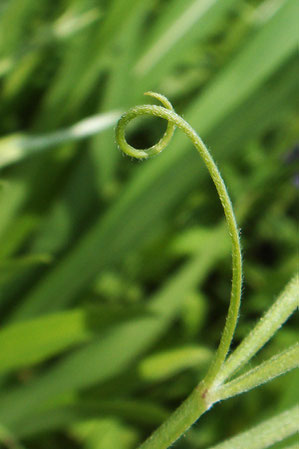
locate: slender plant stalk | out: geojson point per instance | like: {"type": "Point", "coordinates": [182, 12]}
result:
{"type": "Point", "coordinates": [180, 421]}
{"type": "Point", "coordinates": [265, 434]}
{"type": "Point", "coordinates": [174, 120]}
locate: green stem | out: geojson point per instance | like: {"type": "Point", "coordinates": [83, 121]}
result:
{"type": "Point", "coordinates": [180, 421]}
{"type": "Point", "coordinates": [174, 120]}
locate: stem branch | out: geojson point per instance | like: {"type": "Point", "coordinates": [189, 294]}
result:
{"type": "Point", "coordinates": [180, 421]}
{"type": "Point", "coordinates": [266, 327]}
{"type": "Point", "coordinates": [266, 371]}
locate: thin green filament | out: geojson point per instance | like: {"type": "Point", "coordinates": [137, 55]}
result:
{"type": "Point", "coordinates": [174, 120]}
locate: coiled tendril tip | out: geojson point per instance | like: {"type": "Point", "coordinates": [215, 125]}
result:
{"type": "Point", "coordinates": [137, 111]}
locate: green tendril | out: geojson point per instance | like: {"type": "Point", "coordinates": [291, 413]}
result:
{"type": "Point", "coordinates": [144, 110]}
{"type": "Point", "coordinates": [174, 120]}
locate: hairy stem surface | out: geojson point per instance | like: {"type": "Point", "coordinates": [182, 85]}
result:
{"type": "Point", "coordinates": [180, 421]}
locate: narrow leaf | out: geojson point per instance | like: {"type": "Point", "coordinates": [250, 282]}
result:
{"type": "Point", "coordinates": [266, 433]}
{"type": "Point", "coordinates": [19, 146]}
{"type": "Point", "coordinates": [33, 341]}
{"type": "Point", "coordinates": [168, 363]}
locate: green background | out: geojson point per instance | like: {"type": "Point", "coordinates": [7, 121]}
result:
{"type": "Point", "coordinates": [115, 274]}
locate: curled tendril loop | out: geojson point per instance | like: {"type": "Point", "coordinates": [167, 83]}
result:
{"type": "Point", "coordinates": [136, 112]}
{"type": "Point", "coordinates": [167, 112]}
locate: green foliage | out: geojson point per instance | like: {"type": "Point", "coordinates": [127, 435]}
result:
{"type": "Point", "coordinates": [115, 275]}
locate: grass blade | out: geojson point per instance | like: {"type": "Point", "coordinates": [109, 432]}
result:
{"type": "Point", "coordinates": [17, 147]}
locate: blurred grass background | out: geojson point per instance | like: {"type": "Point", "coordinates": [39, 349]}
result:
{"type": "Point", "coordinates": [115, 274]}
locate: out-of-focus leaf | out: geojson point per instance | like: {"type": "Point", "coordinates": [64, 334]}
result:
{"type": "Point", "coordinates": [176, 29]}
{"type": "Point", "coordinates": [105, 433]}
{"type": "Point", "coordinates": [114, 351]}
{"type": "Point", "coordinates": [165, 364]}
{"type": "Point", "coordinates": [57, 417]}
{"type": "Point", "coordinates": [17, 147]}
{"type": "Point", "coordinates": [33, 341]}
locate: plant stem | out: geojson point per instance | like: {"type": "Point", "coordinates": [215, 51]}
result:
{"type": "Point", "coordinates": [174, 119]}
{"type": "Point", "coordinates": [175, 426]}
{"type": "Point", "coordinates": [197, 403]}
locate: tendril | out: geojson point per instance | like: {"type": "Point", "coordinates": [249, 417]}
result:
{"type": "Point", "coordinates": [174, 120]}
{"type": "Point", "coordinates": [144, 110]}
